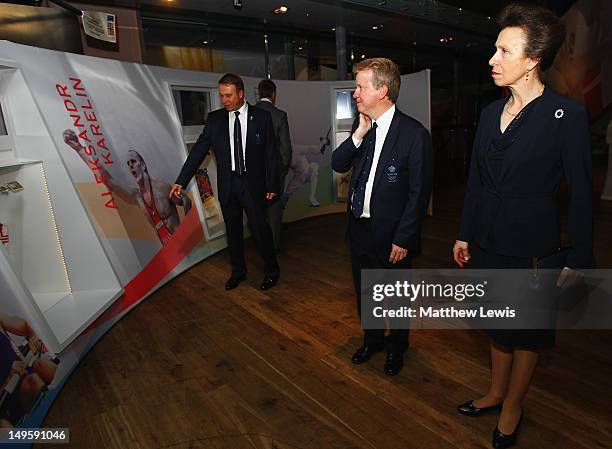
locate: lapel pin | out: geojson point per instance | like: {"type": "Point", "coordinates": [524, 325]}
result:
{"type": "Point", "coordinates": [559, 113]}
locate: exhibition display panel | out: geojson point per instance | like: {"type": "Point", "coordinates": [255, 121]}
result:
{"type": "Point", "coordinates": [89, 149]}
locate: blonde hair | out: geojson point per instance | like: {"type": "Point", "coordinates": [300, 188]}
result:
{"type": "Point", "coordinates": [384, 72]}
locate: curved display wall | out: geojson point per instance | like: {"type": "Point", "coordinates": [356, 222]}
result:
{"type": "Point", "coordinates": [90, 151]}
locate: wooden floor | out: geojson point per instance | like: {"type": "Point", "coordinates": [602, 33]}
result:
{"type": "Point", "coordinates": [197, 367]}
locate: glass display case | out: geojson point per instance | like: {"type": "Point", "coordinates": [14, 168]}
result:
{"type": "Point", "coordinates": [64, 291]}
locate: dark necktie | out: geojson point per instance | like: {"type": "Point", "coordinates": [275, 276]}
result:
{"type": "Point", "coordinates": [360, 185]}
{"type": "Point", "coordinates": [238, 155]}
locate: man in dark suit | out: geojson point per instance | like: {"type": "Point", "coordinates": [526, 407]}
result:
{"type": "Point", "coordinates": [248, 174]}
{"type": "Point", "coordinates": [267, 94]}
{"type": "Point", "coordinates": [391, 158]}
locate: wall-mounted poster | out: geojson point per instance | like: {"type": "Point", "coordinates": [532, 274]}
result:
{"type": "Point", "coordinates": [304, 170]}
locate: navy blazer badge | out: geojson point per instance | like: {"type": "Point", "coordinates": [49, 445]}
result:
{"type": "Point", "coordinates": [392, 173]}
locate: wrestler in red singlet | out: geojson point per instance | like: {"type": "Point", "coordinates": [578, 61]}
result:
{"type": "Point", "coordinates": [163, 232]}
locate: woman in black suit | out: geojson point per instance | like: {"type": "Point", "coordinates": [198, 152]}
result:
{"type": "Point", "coordinates": [524, 145]}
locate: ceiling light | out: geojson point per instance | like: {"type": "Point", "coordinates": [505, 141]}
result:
{"type": "Point", "coordinates": [280, 10]}
{"type": "Point", "coordinates": [300, 48]}
{"type": "Point", "coordinates": [205, 42]}
{"type": "Point", "coordinates": [374, 27]}
{"type": "Point", "coordinates": [362, 56]}
{"type": "Point", "coordinates": [333, 29]}
{"type": "Point", "coordinates": [489, 17]}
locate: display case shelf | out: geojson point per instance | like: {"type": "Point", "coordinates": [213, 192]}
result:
{"type": "Point", "coordinates": [42, 274]}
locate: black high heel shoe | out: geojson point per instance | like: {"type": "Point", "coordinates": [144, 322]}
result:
{"type": "Point", "coordinates": [468, 409]}
{"type": "Point", "coordinates": [501, 441]}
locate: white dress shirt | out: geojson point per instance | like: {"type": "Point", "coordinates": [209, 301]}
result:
{"type": "Point", "coordinates": [383, 123]}
{"type": "Point", "coordinates": [244, 118]}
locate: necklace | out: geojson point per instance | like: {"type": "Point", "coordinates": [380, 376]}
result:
{"type": "Point", "coordinates": [514, 114]}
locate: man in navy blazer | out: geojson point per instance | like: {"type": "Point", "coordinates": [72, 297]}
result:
{"type": "Point", "coordinates": [248, 174]}
{"type": "Point", "coordinates": [391, 157]}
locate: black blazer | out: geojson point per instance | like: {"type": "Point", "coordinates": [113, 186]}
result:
{"type": "Point", "coordinates": [262, 163]}
{"type": "Point", "coordinates": [281, 131]}
{"type": "Point", "coordinates": [402, 184]}
{"type": "Point", "coordinates": [520, 209]}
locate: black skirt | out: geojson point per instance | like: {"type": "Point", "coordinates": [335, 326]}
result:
{"type": "Point", "coordinates": [529, 339]}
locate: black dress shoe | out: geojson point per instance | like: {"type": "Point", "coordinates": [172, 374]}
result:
{"type": "Point", "coordinates": [365, 353]}
{"type": "Point", "coordinates": [469, 409]}
{"type": "Point", "coordinates": [394, 363]}
{"type": "Point", "coordinates": [233, 281]}
{"type": "Point", "coordinates": [501, 441]}
{"type": "Point", "coordinates": [269, 282]}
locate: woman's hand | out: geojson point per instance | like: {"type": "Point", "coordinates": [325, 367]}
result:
{"type": "Point", "coordinates": [461, 254]}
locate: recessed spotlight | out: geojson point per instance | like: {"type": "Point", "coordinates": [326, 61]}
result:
{"type": "Point", "coordinates": [300, 48]}
{"type": "Point", "coordinates": [333, 29]}
{"type": "Point", "coordinates": [362, 56]}
{"type": "Point", "coordinates": [374, 27]}
{"type": "Point", "coordinates": [280, 10]}
{"type": "Point", "coordinates": [460, 9]}
{"type": "Point", "coordinates": [489, 17]}
{"type": "Point", "coordinates": [205, 42]}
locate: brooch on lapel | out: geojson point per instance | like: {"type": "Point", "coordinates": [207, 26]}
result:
{"type": "Point", "coordinates": [559, 113]}
{"type": "Point", "coordinates": [392, 173]}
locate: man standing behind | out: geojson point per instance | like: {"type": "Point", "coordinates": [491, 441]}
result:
{"type": "Point", "coordinates": [267, 94]}
{"type": "Point", "coordinates": [248, 175]}
{"type": "Point", "coordinates": [391, 157]}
